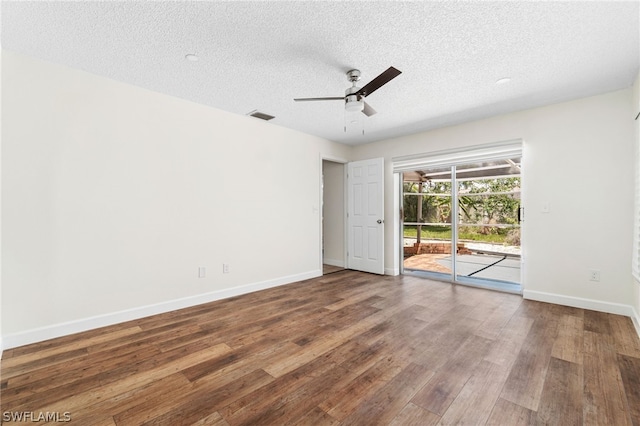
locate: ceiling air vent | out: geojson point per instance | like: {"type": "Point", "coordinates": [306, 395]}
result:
{"type": "Point", "coordinates": [261, 115]}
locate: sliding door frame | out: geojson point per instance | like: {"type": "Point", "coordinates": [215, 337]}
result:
{"type": "Point", "coordinates": [454, 224]}
{"type": "Point", "coordinates": [453, 158]}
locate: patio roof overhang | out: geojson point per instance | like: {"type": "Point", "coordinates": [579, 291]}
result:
{"type": "Point", "coordinates": [487, 170]}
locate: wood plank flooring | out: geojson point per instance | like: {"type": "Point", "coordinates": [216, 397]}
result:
{"type": "Point", "coordinates": [330, 269]}
{"type": "Point", "coordinates": [348, 348]}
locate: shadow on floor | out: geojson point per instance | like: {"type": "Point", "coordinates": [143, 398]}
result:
{"type": "Point", "coordinates": [330, 269]}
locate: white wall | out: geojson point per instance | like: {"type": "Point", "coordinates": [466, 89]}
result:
{"type": "Point", "coordinates": [634, 112]}
{"type": "Point", "coordinates": [333, 213]}
{"type": "Point", "coordinates": [113, 196]}
{"type": "Point", "coordinates": [1, 344]}
{"type": "Point", "coordinates": [578, 157]}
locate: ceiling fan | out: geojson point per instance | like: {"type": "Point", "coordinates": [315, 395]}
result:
{"type": "Point", "coordinates": [354, 96]}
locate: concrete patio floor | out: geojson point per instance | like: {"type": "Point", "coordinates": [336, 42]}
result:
{"type": "Point", "coordinates": [469, 265]}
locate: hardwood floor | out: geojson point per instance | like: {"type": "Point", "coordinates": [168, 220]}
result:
{"type": "Point", "coordinates": [330, 269]}
{"type": "Point", "coordinates": [345, 349]}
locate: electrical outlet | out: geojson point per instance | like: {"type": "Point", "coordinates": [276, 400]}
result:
{"type": "Point", "coordinates": [202, 272]}
{"type": "Point", "coordinates": [594, 275]}
{"type": "Point", "coordinates": [225, 268]}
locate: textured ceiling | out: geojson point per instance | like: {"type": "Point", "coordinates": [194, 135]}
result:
{"type": "Point", "coordinates": [261, 55]}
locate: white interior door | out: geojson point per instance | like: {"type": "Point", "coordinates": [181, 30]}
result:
{"type": "Point", "coordinates": [365, 215]}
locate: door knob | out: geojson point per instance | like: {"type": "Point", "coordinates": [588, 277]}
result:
{"type": "Point", "coordinates": [379, 221]}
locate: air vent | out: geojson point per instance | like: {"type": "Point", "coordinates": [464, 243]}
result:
{"type": "Point", "coordinates": [261, 115]}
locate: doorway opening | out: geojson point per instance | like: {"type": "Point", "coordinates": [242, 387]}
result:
{"type": "Point", "coordinates": [461, 223]}
{"type": "Point", "coordinates": [333, 207]}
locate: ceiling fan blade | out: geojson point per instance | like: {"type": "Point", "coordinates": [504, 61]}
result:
{"type": "Point", "coordinates": [368, 111]}
{"type": "Point", "coordinates": [379, 81]}
{"type": "Point", "coordinates": [341, 98]}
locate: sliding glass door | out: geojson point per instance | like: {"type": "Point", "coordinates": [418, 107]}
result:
{"type": "Point", "coordinates": [489, 227]}
{"type": "Point", "coordinates": [462, 223]}
{"type": "Point", "coordinates": [427, 226]}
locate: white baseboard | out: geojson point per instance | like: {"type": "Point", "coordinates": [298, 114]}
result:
{"type": "Point", "coordinates": [85, 324]}
{"type": "Point", "coordinates": [392, 271]}
{"type": "Point", "coordinates": [333, 262]}
{"type": "Point", "coordinates": [578, 302]}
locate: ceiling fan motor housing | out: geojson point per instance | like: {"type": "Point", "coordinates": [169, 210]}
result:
{"type": "Point", "coordinates": [352, 101]}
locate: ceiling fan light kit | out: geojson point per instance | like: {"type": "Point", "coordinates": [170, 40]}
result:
{"type": "Point", "coordinates": [353, 103]}
{"type": "Point", "coordinates": [354, 106]}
